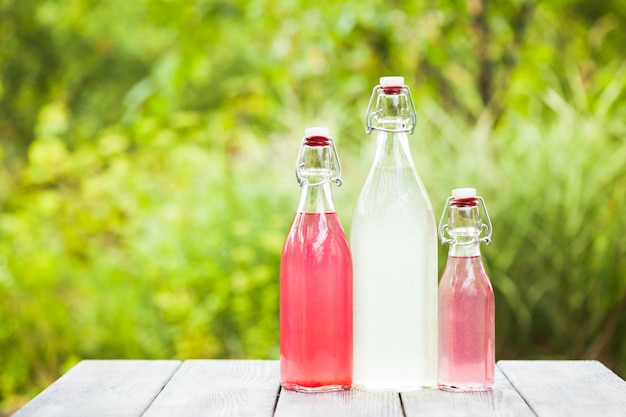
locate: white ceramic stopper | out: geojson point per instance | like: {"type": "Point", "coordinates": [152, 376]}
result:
{"type": "Point", "coordinates": [461, 193]}
{"type": "Point", "coordinates": [395, 81]}
{"type": "Point", "coordinates": [316, 132]}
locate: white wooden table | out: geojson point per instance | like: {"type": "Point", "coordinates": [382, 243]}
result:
{"type": "Point", "coordinates": [151, 388]}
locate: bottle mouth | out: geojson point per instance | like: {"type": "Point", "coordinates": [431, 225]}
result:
{"type": "Point", "coordinates": [469, 224]}
{"type": "Point", "coordinates": [316, 141]}
{"type": "Point", "coordinates": [391, 90]}
{"type": "Point", "coordinates": [464, 202]}
{"type": "Point", "coordinates": [391, 85]}
{"type": "Point", "coordinates": [393, 109]}
{"type": "Point", "coordinates": [316, 136]}
{"type": "Point", "coordinates": [464, 197]}
{"type": "Point", "coordinates": [318, 157]}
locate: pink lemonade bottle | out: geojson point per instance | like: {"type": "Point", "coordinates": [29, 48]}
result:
{"type": "Point", "coordinates": [316, 279]}
{"type": "Point", "coordinates": [466, 300]}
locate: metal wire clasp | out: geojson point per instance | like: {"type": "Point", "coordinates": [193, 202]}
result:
{"type": "Point", "coordinates": [443, 227]}
{"type": "Point", "coordinates": [335, 166]}
{"type": "Point", "coordinates": [369, 117]}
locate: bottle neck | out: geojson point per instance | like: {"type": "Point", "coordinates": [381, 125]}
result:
{"type": "Point", "coordinates": [393, 119]}
{"type": "Point", "coordinates": [392, 150]}
{"type": "Point", "coordinates": [317, 197]}
{"type": "Point", "coordinates": [469, 249]}
{"type": "Point", "coordinates": [315, 170]}
{"type": "Point", "coordinates": [393, 110]}
{"type": "Point", "coordinates": [464, 229]}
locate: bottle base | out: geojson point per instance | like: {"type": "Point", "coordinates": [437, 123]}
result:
{"type": "Point", "coordinates": [312, 390]}
{"type": "Point", "coordinates": [392, 388]}
{"type": "Point", "coordinates": [465, 387]}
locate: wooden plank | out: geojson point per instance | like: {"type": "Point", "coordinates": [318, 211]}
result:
{"type": "Point", "coordinates": [352, 403]}
{"type": "Point", "coordinates": [224, 388]}
{"type": "Point", "coordinates": [502, 401]}
{"type": "Point", "coordinates": [103, 388]}
{"type": "Point", "coordinates": [567, 388]}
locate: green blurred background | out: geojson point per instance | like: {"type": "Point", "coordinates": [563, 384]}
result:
{"type": "Point", "coordinates": [148, 148]}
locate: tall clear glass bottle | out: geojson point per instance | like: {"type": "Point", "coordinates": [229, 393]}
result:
{"type": "Point", "coordinates": [394, 249]}
{"type": "Point", "coordinates": [316, 279]}
{"type": "Point", "coordinates": [466, 300]}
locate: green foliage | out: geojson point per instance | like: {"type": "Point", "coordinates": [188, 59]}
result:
{"type": "Point", "coordinates": [554, 182]}
{"type": "Point", "coordinates": [148, 150]}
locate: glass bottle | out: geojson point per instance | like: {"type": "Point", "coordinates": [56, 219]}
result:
{"type": "Point", "coordinates": [316, 279]}
{"type": "Point", "coordinates": [466, 300]}
{"type": "Point", "coordinates": [394, 249]}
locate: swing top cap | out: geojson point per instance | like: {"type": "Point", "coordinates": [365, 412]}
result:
{"type": "Point", "coordinates": [313, 132]}
{"type": "Point", "coordinates": [462, 193]}
{"type": "Point", "coordinates": [395, 81]}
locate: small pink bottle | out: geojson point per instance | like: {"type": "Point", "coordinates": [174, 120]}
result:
{"type": "Point", "coordinates": [466, 300]}
{"type": "Point", "coordinates": [316, 279]}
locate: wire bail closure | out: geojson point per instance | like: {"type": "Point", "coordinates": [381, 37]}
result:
{"type": "Point", "coordinates": [443, 227]}
{"type": "Point", "coordinates": [369, 117]}
{"type": "Point", "coordinates": [335, 166]}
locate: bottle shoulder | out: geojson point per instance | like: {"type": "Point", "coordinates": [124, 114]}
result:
{"type": "Point", "coordinates": [316, 227]}
{"type": "Point", "coordinates": [466, 273]}
{"type": "Point", "coordinates": [394, 190]}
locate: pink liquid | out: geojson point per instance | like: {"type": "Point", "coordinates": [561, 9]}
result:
{"type": "Point", "coordinates": [316, 305]}
{"type": "Point", "coordinates": [466, 326]}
